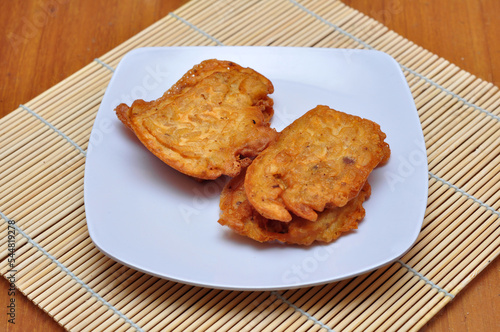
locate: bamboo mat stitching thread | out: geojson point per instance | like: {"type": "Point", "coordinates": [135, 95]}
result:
{"type": "Point", "coordinates": [427, 281]}
{"type": "Point", "coordinates": [104, 64]}
{"type": "Point", "coordinates": [189, 24]}
{"type": "Point", "coordinates": [466, 194]}
{"type": "Point", "coordinates": [411, 71]}
{"type": "Point", "coordinates": [451, 93]}
{"type": "Point", "coordinates": [51, 126]}
{"type": "Point", "coordinates": [68, 272]}
{"type": "Point", "coordinates": [303, 312]}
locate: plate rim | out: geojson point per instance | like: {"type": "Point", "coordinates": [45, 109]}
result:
{"type": "Point", "coordinates": [95, 239]}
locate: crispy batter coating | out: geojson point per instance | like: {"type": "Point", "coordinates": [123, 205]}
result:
{"type": "Point", "coordinates": [321, 160]}
{"type": "Point", "coordinates": [213, 121]}
{"type": "Point", "coordinates": [239, 215]}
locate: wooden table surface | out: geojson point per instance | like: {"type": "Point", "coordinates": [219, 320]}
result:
{"type": "Point", "coordinates": [45, 41]}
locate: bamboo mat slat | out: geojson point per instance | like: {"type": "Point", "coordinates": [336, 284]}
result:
{"type": "Point", "coordinates": [43, 146]}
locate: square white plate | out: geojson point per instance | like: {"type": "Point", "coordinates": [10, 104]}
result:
{"type": "Point", "coordinates": [148, 216]}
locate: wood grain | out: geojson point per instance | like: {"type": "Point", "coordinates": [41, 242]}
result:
{"type": "Point", "coordinates": [45, 41]}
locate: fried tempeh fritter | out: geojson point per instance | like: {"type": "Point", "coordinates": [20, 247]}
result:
{"type": "Point", "coordinates": [212, 122]}
{"type": "Point", "coordinates": [238, 214]}
{"type": "Point", "coordinates": [321, 160]}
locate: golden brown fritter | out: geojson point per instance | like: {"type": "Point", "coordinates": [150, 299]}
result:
{"type": "Point", "coordinates": [238, 214]}
{"type": "Point", "coordinates": [212, 122]}
{"type": "Point", "coordinates": [321, 160]}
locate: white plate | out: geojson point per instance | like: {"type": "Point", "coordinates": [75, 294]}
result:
{"type": "Point", "coordinates": [148, 216]}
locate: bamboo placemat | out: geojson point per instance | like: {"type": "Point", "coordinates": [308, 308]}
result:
{"type": "Point", "coordinates": [43, 146]}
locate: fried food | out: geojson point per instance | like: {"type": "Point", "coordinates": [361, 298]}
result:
{"type": "Point", "coordinates": [321, 160]}
{"type": "Point", "coordinates": [212, 122]}
{"type": "Point", "coordinates": [238, 214]}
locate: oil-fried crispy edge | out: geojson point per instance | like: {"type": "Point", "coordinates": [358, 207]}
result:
{"type": "Point", "coordinates": [238, 214]}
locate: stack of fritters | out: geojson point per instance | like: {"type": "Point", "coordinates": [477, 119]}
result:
{"type": "Point", "coordinates": [302, 185]}
{"type": "Point", "coordinates": [310, 184]}
{"type": "Point", "coordinates": [241, 216]}
{"type": "Point", "coordinates": [212, 122]}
